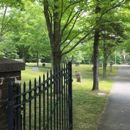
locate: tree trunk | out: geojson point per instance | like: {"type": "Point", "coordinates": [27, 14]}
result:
{"type": "Point", "coordinates": [55, 39]}
{"type": "Point", "coordinates": [110, 67]}
{"type": "Point", "coordinates": [23, 56]}
{"type": "Point", "coordinates": [104, 67]}
{"type": "Point", "coordinates": [37, 58]}
{"type": "Point", "coordinates": [56, 58]}
{"type": "Point", "coordinates": [104, 61]}
{"type": "Point", "coordinates": [111, 63]}
{"type": "Point", "coordinates": [2, 23]}
{"type": "Point", "coordinates": [95, 61]}
{"type": "Point", "coordinates": [95, 52]}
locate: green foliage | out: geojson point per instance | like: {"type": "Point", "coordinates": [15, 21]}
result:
{"type": "Point", "coordinates": [117, 58]}
{"type": "Point", "coordinates": [26, 30]}
{"type": "Point", "coordinates": [8, 49]}
{"type": "Point", "coordinates": [46, 59]}
{"type": "Point", "coordinates": [78, 56]}
{"type": "Point", "coordinates": [12, 3]}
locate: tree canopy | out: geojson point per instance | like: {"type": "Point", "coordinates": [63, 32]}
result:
{"type": "Point", "coordinates": [63, 29]}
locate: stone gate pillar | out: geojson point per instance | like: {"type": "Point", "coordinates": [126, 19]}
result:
{"type": "Point", "coordinates": [10, 70]}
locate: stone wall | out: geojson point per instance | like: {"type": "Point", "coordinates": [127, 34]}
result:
{"type": "Point", "coordinates": [9, 71]}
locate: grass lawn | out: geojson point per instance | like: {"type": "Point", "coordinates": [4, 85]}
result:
{"type": "Point", "coordinates": [87, 69]}
{"type": "Point", "coordinates": [87, 104]}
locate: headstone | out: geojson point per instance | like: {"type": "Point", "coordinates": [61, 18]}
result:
{"type": "Point", "coordinates": [77, 64]}
{"type": "Point", "coordinates": [35, 69]}
{"type": "Point", "coordinates": [78, 76]}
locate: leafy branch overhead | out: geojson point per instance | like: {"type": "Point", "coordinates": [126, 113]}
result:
{"type": "Point", "coordinates": [67, 21]}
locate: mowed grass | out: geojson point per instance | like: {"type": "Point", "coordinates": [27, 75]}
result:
{"type": "Point", "coordinates": [30, 74]}
{"type": "Point", "coordinates": [87, 69]}
{"type": "Point", "coordinates": [87, 104]}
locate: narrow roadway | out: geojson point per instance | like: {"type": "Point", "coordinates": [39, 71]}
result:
{"type": "Point", "coordinates": [116, 115]}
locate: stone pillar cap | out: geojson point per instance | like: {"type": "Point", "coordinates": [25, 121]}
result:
{"type": "Point", "coordinates": [7, 65]}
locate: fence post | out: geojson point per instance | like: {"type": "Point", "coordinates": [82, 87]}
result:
{"type": "Point", "coordinates": [10, 106]}
{"type": "Point", "coordinates": [70, 96]}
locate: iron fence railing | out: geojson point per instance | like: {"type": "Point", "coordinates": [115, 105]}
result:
{"type": "Point", "coordinates": [45, 104]}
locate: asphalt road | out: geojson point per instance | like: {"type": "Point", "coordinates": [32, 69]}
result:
{"type": "Point", "coordinates": [116, 115]}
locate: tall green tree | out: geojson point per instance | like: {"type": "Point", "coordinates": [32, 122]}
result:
{"type": "Point", "coordinates": [27, 30]}
{"type": "Point", "coordinates": [110, 42]}
{"type": "Point", "coordinates": [62, 18]}
{"type": "Point", "coordinates": [65, 21]}
{"type": "Point", "coordinates": [126, 20]}
{"type": "Point", "coordinates": [102, 8]}
{"type": "Point", "coordinates": [7, 48]}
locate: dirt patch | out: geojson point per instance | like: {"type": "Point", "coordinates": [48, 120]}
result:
{"type": "Point", "coordinates": [97, 93]}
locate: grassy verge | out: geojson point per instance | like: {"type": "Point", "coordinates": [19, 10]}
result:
{"type": "Point", "coordinates": [87, 104]}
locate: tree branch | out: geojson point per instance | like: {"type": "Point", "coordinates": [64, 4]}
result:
{"type": "Point", "coordinates": [71, 41]}
{"type": "Point", "coordinates": [56, 23]}
{"type": "Point", "coordinates": [93, 27]}
{"type": "Point", "coordinates": [48, 21]}
{"type": "Point", "coordinates": [70, 6]}
{"type": "Point", "coordinates": [106, 11]}
{"type": "Point", "coordinates": [62, 4]}
{"type": "Point", "coordinates": [2, 23]}
{"type": "Point", "coordinates": [68, 21]}
{"type": "Point", "coordinates": [71, 27]}
{"type": "Point", "coordinates": [78, 42]}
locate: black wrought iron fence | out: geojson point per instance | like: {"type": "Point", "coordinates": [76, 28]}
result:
{"type": "Point", "coordinates": [45, 104]}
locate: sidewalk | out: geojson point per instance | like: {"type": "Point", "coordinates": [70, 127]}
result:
{"type": "Point", "coordinates": [116, 115]}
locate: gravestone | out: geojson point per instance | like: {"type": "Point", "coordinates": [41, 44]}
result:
{"type": "Point", "coordinates": [35, 69]}
{"type": "Point", "coordinates": [78, 76]}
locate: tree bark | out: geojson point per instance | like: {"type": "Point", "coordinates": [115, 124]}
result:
{"type": "Point", "coordinates": [37, 58]}
{"type": "Point", "coordinates": [53, 32]}
{"type": "Point", "coordinates": [110, 67]}
{"type": "Point", "coordinates": [104, 60]}
{"type": "Point", "coordinates": [104, 66]}
{"type": "Point", "coordinates": [95, 61]}
{"type": "Point", "coordinates": [56, 58]}
{"type": "Point", "coordinates": [95, 53]}
{"type": "Point", "coordinates": [53, 26]}
{"type": "Point", "coordinates": [2, 23]}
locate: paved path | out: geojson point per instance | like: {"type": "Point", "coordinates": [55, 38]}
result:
{"type": "Point", "coordinates": [117, 113]}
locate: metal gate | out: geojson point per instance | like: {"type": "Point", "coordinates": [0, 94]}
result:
{"type": "Point", "coordinates": [45, 104]}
